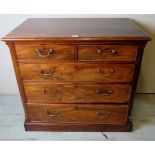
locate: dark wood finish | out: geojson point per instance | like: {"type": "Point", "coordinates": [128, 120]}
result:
{"type": "Point", "coordinates": [78, 93]}
{"type": "Point", "coordinates": [76, 113]}
{"type": "Point", "coordinates": [81, 72]}
{"type": "Point", "coordinates": [75, 72]}
{"type": "Point", "coordinates": [107, 53]}
{"type": "Point", "coordinates": [76, 42]}
{"type": "Point", "coordinates": [45, 52]}
{"type": "Point", "coordinates": [68, 29]}
{"type": "Point", "coordinates": [41, 126]}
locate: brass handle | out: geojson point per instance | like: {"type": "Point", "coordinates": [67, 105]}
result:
{"type": "Point", "coordinates": [52, 113]}
{"type": "Point", "coordinates": [113, 52]}
{"type": "Point", "coordinates": [104, 114]}
{"type": "Point", "coordinates": [38, 51]}
{"type": "Point", "coordinates": [54, 91]}
{"type": "Point", "coordinates": [51, 72]}
{"type": "Point", "coordinates": [104, 92]}
{"type": "Point", "coordinates": [111, 70]}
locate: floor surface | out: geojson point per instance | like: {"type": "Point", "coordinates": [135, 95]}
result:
{"type": "Point", "coordinates": [12, 118]}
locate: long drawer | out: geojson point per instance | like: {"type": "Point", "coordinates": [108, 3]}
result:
{"type": "Point", "coordinates": [107, 53]}
{"type": "Point", "coordinates": [45, 52]}
{"type": "Point", "coordinates": [76, 72]}
{"type": "Point", "coordinates": [76, 113]}
{"type": "Point", "coordinates": [78, 93]}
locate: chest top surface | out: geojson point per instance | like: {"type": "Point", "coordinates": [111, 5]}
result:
{"type": "Point", "coordinates": [77, 29]}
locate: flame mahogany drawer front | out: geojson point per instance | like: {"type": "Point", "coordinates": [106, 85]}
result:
{"type": "Point", "coordinates": [78, 93]}
{"type": "Point", "coordinates": [107, 53]}
{"type": "Point", "coordinates": [76, 113]}
{"type": "Point", "coordinates": [77, 74]}
{"type": "Point", "coordinates": [45, 52]}
{"type": "Point", "coordinates": [73, 72]}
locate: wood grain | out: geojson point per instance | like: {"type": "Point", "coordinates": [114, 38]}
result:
{"type": "Point", "coordinates": [107, 53]}
{"type": "Point", "coordinates": [59, 52]}
{"type": "Point", "coordinates": [85, 28]}
{"type": "Point", "coordinates": [73, 113]}
{"type": "Point", "coordinates": [78, 93]}
{"type": "Point", "coordinates": [77, 72]}
{"type": "Point", "coordinates": [62, 63]}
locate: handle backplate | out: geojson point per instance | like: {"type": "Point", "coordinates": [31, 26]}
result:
{"type": "Point", "coordinates": [104, 92]}
{"type": "Point", "coordinates": [101, 71]}
{"type": "Point", "coordinates": [48, 73]}
{"type": "Point", "coordinates": [39, 52]}
{"type": "Point", "coordinates": [52, 113]}
{"type": "Point", "coordinates": [105, 52]}
{"type": "Point", "coordinates": [104, 114]}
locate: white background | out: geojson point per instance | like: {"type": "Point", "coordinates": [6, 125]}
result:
{"type": "Point", "coordinates": [72, 7]}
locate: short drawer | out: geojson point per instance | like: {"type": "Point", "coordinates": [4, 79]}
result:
{"type": "Point", "coordinates": [76, 72]}
{"type": "Point", "coordinates": [76, 113]}
{"type": "Point", "coordinates": [107, 53]}
{"type": "Point", "coordinates": [78, 93]}
{"type": "Point", "coordinates": [45, 52]}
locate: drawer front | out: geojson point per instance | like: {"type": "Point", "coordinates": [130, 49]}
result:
{"type": "Point", "coordinates": [45, 52]}
{"type": "Point", "coordinates": [78, 72]}
{"type": "Point", "coordinates": [78, 93]}
{"type": "Point", "coordinates": [73, 113]}
{"type": "Point", "coordinates": [107, 53]}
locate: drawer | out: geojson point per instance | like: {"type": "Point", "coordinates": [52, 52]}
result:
{"type": "Point", "coordinates": [45, 52]}
{"type": "Point", "coordinates": [78, 93]}
{"type": "Point", "coordinates": [107, 53]}
{"type": "Point", "coordinates": [76, 113]}
{"type": "Point", "coordinates": [76, 72]}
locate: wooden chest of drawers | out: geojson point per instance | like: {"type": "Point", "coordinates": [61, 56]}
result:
{"type": "Point", "coordinates": [77, 74]}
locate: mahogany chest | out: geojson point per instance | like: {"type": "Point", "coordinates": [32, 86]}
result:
{"type": "Point", "coordinates": [77, 74]}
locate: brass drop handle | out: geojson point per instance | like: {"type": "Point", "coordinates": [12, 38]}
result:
{"type": "Point", "coordinates": [111, 70]}
{"type": "Point", "coordinates": [113, 52]}
{"type": "Point", "coordinates": [54, 91]}
{"type": "Point", "coordinates": [38, 51]}
{"type": "Point", "coordinates": [51, 72]}
{"type": "Point", "coordinates": [104, 92]}
{"type": "Point", "coordinates": [52, 113]}
{"type": "Point", "coordinates": [104, 114]}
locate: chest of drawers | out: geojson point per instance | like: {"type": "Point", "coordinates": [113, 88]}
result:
{"type": "Point", "coordinates": [77, 74]}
